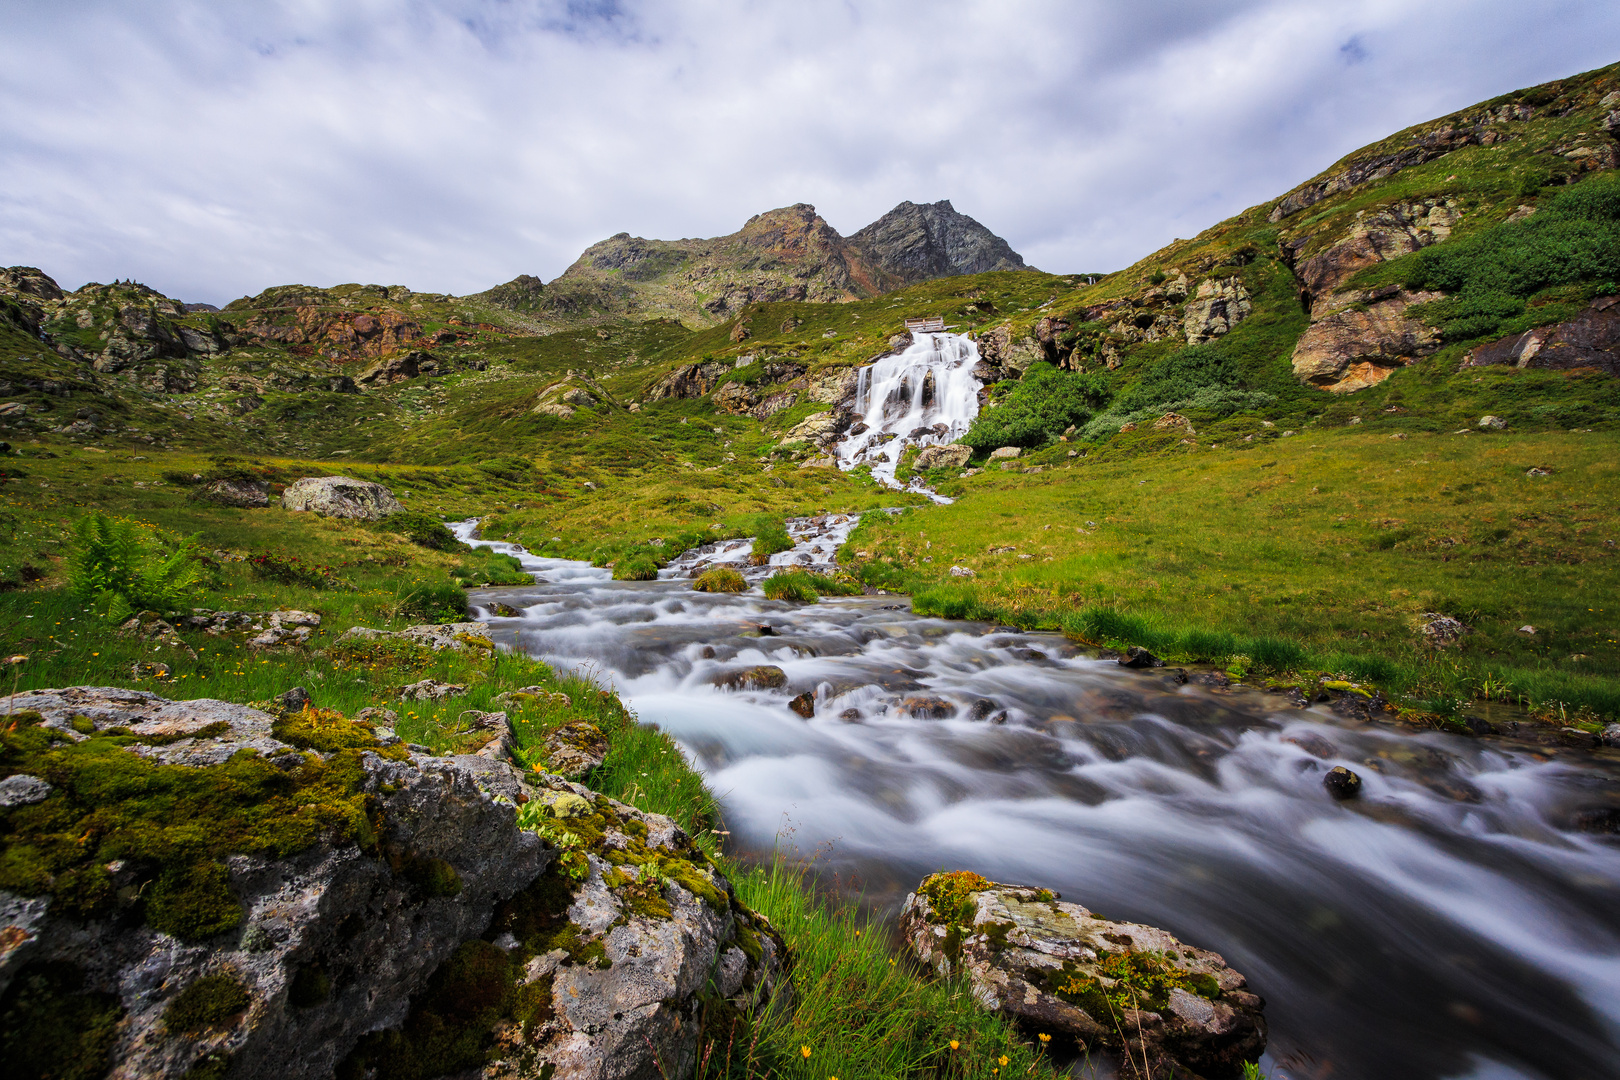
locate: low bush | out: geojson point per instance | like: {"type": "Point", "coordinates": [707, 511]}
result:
{"type": "Point", "coordinates": [423, 530]}
{"type": "Point", "coordinates": [291, 570]}
{"type": "Point", "coordinates": [485, 567]}
{"type": "Point", "coordinates": [436, 601]}
{"type": "Point", "coordinates": [720, 579]}
{"type": "Point", "coordinates": [1044, 404]}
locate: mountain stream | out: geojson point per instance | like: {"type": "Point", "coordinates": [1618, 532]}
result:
{"type": "Point", "coordinates": [1450, 922]}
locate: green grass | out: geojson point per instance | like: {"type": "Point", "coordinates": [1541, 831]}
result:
{"type": "Point", "coordinates": [1334, 542]}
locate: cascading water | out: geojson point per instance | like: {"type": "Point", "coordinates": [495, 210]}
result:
{"type": "Point", "coordinates": [1461, 918]}
{"type": "Point", "coordinates": [925, 395]}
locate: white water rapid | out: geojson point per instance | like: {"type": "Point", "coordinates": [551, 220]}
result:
{"type": "Point", "coordinates": [1461, 918]}
{"type": "Point", "coordinates": [925, 395]}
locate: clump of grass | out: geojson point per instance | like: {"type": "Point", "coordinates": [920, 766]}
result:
{"type": "Point", "coordinates": [422, 530]}
{"type": "Point", "coordinates": [863, 1011]}
{"type": "Point", "coordinates": [804, 587]}
{"type": "Point", "coordinates": [720, 579]}
{"type": "Point", "coordinates": [770, 536]}
{"type": "Point", "coordinates": [635, 568]}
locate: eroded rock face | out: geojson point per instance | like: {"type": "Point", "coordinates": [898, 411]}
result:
{"type": "Point", "coordinates": [342, 497]}
{"type": "Point", "coordinates": [1061, 969]}
{"type": "Point", "coordinates": [573, 750]}
{"type": "Point", "coordinates": [1590, 340]}
{"type": "Point", "coordinates": [1220, 304]}
{"type": "Point", "coordinates": [372, 933]}
{"type": "Point", "coordinates": [1357, 340]}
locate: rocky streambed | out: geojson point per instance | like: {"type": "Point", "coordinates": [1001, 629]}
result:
{"type": "Point", "coordinates": [1457, 914]}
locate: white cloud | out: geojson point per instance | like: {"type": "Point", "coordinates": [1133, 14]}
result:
{"type": "Point", "coordinates": [213, 149]}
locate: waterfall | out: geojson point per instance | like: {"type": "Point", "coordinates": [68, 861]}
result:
{"type": "Point", "coordinates": [923, 396]}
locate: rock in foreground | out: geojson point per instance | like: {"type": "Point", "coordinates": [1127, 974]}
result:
{"type": "Point", "coordinates": [252, 896]}
{"type": "Point", "coordinates": [1060, 969]}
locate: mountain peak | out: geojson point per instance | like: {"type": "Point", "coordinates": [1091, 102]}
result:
{"type": "Point", "coordinates": [931, 240]}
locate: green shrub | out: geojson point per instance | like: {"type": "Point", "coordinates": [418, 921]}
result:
{"type": "Point", "coordinates": [1489, 277]}
{"type": "Point", "coordinates": [635, 568]}
{"type": "Point", "coordinates": [1044, 404]}
{"type": "Point", "coordinates": [1180, 375]}
{"type": "Point", "coordinates": [770, 536]}
{"type": "Point", "coordinates": [421, 529]}
{"type": "Point", "coordinates": [437, 601]}
{"type": "Point", "coordinates": [720, 579]}
{"type": "Point", "coordinates": [119, 564]}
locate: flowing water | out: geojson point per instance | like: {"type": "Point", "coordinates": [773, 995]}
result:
{"type": "Point", "coordinates": [1450, 922]}
{"type": "Point", "coordinates": [925, 395]}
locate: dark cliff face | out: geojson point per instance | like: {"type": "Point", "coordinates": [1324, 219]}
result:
{"type": "Point", "coordinates": [918, 243]}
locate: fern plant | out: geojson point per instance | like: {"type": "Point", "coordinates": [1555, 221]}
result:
{"type": "Point", "coordinates": [119, 572]}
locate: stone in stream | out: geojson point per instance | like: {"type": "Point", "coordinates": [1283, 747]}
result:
{"type": "Point", "coordinates": [920, 707]}
{"type": "Point", "coordinates": [804, 704]}
{"type": "Point", "coordinates": [1341, 783]}
{"type": "Point", "coordinates": [1138, 657]}
{"type": "Point", "coordinates": [762, 677]}
{"type": "Point", "coordinates": [1058, 968]}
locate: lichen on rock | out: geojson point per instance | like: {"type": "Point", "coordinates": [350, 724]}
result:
{"type": "Point", "coordinates": [1062, 969]}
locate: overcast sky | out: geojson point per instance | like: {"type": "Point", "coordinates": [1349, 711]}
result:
{"type": "Point", "coordinates": [211, 149]}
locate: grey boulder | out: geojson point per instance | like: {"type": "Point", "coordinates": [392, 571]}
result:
{"type": "Point", "coordinates": [341, 497]}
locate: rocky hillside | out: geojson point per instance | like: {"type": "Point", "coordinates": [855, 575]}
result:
{"type": "Point", "coordinates": [790, 254]}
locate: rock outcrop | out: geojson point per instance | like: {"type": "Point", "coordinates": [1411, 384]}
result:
{"type": "Point", "coordinates": [438, 914]}
{"type": "Point", "coordinates": [1590, 340]}
{"type": "Point", "coordinates": [1359, 339]}
{"type": "Point", "coordinates": [341, 497]}
{"type": "Point", "coordinates": [952, 456]}
{"type": "Point", "coordinates": [1060, 969]}
{"type": "Point", "coordinates": [918, 243]}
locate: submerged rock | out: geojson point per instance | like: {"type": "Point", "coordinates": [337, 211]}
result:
{"type": "Point", "coordinates": [763, 677]}
{"type": "Point", "coordinates": [1058, 968]}
{"type": "Point", "coordinates": [1341, 783]}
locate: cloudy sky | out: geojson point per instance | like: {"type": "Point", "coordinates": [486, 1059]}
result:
{"type": "Point", "coordinates": [213, 148]}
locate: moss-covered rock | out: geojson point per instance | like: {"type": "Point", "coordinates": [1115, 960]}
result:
{"type": "Point", "coordinates": [1062, 969]}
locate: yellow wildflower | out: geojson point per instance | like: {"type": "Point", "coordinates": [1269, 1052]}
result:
{"type": "Point", "coordinates": [1044, 1037]}
{"type": "Point", "coordinates": [1002, 1060]}
{"type": "Point", "coordinates": [955, 1045]}
{"type": "Point", "coordinates": [804, 1051]}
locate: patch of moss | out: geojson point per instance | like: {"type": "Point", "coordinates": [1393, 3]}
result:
{"type": "Point", "coordinates": [433, 877]}
{"type": "Point", "coordinates": [171, 825]}
{"type": "Point", "coordinates": [51, 1028]}
{"type": "Point", "coordinates": [326, 730]}
{"type": "Point", "coordinates": [211, 1066]}
{"type": "Point", "coordinates": [1124, 980]}
{"type": "Point", "coordinates": [211, 1001]}
{"type": "Point", "coordinates": [193, 902]}
{"type": "Point", "coordinates": [396, 654]}
{"type": "Point", "coordinates": [950, 895]}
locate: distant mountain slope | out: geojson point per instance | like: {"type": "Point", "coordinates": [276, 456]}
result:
{"type": "Point", "coordinates": [790, 254]}
{"type": "Point", "coordinates": [919, 243]}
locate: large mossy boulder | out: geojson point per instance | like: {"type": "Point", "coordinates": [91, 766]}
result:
{"type": "Point", "coordinates": [341, 497]}
{"type": "Point", "coordinates": [257, 896]}
{"type": "Point", "coordinates": [1062, 970]}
